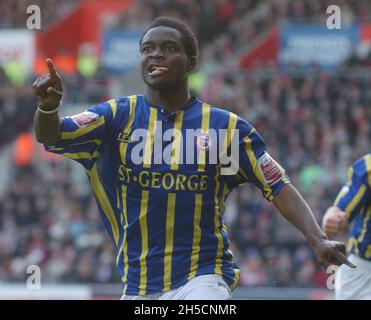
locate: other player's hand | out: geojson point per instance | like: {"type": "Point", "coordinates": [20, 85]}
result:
{"type": "Point", "coordinates": [48, 88]}
{"type": "Point", "coordinates": [334, 222]}
{"type": "Point", "coordinates": [329, 252]}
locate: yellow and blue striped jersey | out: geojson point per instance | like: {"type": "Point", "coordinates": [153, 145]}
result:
{"type": "Point", "coordinates": [165, 219]}
{"type": "Point", "coordinates": [355, 200]}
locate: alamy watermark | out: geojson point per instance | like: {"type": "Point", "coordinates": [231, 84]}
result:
{"type": "Point", "coordinates": [168, 147]}
{"type": "Point", "coordinates": [34, 280]}
{"type": "Point", "coordinates": [334, 20]}
{"type": "Point", "coordinates": [33, 21]}
{"type": "Point", "coordinates": [331, 280]}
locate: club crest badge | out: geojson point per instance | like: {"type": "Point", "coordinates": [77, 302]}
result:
{"type": "Point", "coordinates": [203, 141]}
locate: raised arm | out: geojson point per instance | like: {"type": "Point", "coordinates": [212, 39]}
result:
{"type": "Point", "coordinates": [294, 208]}
{"type": "Point", "coordinates": [48, 90]}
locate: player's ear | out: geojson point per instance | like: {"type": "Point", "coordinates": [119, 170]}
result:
{"type": "Point", "coordinates": [191, 63]}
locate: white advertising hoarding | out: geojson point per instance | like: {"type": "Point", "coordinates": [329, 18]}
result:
{"type": "Point", "coordinates": [18, 45]}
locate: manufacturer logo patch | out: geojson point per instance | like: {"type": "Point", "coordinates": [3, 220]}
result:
{"type": "Point", "coordinates": [271, 170]}
{"type": "Point", "coordinates": [85, 118]}
{"type": "Point", "coordinates": [124, 137]}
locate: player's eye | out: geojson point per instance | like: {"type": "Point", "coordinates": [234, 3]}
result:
{"type": "Point", "coordinates": [170, 49]}
{"type": "Point", "coordinates": [146, 49]}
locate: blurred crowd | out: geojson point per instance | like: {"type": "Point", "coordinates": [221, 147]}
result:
{"type": "Point", "coordinates": [208, 18]}
{"type": "Point", "coordinates": [51, 221]}
{"type": "Point", "coordinates": [17, 107]}
{"type": "Point", "coordinates": [315, 124]}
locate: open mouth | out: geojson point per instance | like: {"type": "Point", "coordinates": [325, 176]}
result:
{"type": "Point", "coordinates": [155, 70]}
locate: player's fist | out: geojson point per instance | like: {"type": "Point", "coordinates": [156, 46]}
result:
{"type": "Point", "coordinates": [48, 88]}
{"type": "Point", "coordinates": [334, 222]}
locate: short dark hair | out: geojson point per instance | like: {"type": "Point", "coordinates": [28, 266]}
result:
{"type": "Point", "coordinates": [187, 36]}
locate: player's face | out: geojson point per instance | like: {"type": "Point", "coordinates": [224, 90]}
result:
{"type": "Point", "coordinates": [164, 63]}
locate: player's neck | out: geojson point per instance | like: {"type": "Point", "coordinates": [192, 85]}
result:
{"type": "Point", "coordinates": [170, 100]}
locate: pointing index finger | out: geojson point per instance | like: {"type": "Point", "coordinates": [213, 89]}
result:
{"type": "Point", "coordinates": [349, 264]}
{"type": "Point", "coordinates": [51, 67]}
{"type": "Point", "coordinates": [343, 259]}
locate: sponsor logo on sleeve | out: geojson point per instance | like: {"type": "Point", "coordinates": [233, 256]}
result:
{"type": "Point", "coordinates": [85, 118]}
{"type": "Point", "coordinates": [271, 170]}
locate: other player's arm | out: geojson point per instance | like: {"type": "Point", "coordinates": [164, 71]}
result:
{"type": "Point", "coordinates": [48, 90]}
{"type": "Point", "coordinates": [295, 209]}
{"type": "Point", "coordinates": [347, 204]}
